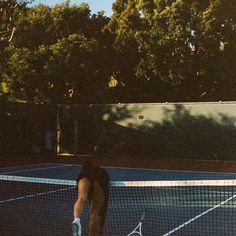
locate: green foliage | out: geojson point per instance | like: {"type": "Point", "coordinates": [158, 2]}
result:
{"type": "Point", "coordinates": [10, 11]}
{"type": "Point", "coordinates": [53, 58]}
{"type": "Point", "coordinates": [162, 50]}
{"type": "Point", "coordinates": [54, 73]}
{"type": "Point", "coordinates": [181, 46]}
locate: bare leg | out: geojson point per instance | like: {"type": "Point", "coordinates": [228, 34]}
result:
{"type": "Point", "coordinates": [102, 215]}
{"type": "Point", "coordinates": [83, 190]}
{"type": "Point", "coordinates": [97, 203]}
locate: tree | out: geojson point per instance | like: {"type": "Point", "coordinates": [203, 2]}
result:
{"type": "Point", "coordinates": [182, 46]}
{"type": "Point", "coordinates": [54, 56]}
{"type": "Point", "coordinates": [124, 24]}
{"type": "Point", "coordinates": [57, 73]}
{"type": "Point", "coordinates": [10, 10]}
{"type": "Point", "coordinates": [179, 47]}
{"type": "Point", "coordinates": [148, 51]}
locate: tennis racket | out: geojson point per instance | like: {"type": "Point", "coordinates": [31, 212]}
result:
{"type": "Point", "coordinates": [138, 229]}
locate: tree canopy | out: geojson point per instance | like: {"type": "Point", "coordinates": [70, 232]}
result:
{"type": "Point", "coordinates": [147, 51]}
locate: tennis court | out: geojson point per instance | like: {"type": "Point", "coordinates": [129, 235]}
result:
{"type": "Point", "coordinates": [38, 200]}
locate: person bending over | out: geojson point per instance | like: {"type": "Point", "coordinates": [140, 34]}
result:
{"type": "Point", "coordinates": [92, 185]}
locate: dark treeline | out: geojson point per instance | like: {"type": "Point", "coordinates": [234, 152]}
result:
{"type": "Point", "coordinates": [147, 51]}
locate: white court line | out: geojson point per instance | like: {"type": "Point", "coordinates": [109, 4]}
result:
{"type": "Point", "coordinates": [220, 174]}
{"type": "Point", "coordinates": [198, 216]}
{"type": "Point", "coordinates": [32, 165]}
{"type": "Point", "coordinates": [34, 195]}
{"type": "Point", "coordinates": [26, 165]}
{"type": "Point", "coordinates": [35, 169]}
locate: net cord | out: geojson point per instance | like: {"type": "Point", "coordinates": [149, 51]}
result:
{"type": "Point", "coordinates": [162, 183]}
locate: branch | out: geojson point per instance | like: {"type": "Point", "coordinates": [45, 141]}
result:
{"type": "Point", "coordinates": [12, 33]}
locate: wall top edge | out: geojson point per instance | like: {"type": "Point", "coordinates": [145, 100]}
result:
{"type": "Point", "coordinates": [150, 104]}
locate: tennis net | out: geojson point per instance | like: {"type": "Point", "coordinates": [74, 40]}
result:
{"type": "Point", "coordinates": [39, 206]}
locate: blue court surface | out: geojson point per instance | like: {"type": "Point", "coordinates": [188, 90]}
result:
{"type": "Point", "coordinates": [28, 208]}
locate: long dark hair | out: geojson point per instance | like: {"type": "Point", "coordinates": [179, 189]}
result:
{"type": "Point", "coordinates": [87, 166]}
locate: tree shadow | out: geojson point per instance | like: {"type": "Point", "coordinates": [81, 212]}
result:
{"type": "Point", "coordinates": [105, 129]}
{"type": "Point", "coordinates": [179, 135]}
{"type": "Point", "coordinates": [98, 130]}
{"type": "Point", "coordinates": [183, 135]}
